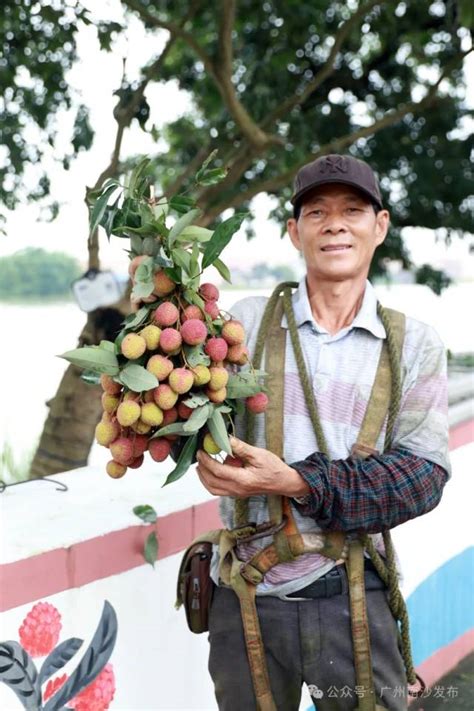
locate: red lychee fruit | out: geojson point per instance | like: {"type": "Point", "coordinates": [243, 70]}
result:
{"type": "Point", "coordinates": [233, 332]}
{"type": "Point", "coordinates": [209, 292]}
{"type": "Point", "coordinates": [164, 396]}
{"type": "Point", "coordinates": [236, 353]}
{"type": "Point", "coordinates": [122, 450]}
{"type": "Point", "coordinates": [115, 469]}
{"type": "Point", "coordinates": [133, 346]}
{"type": "Point", "coordinates": [151, 414]}
{"type": "Point", "coordinates": [159, 449]}
{"type": "Point", "coordinates": [169, 416]}
{"type": "Point", "coordinates": [184, 411]}
{"type": "Point", "coordinates": [192, 312]}
{"type": "Point", "coordinates": [160, 366]}
{"type": "Point", "coordinates": [219, 378]}
{"type": "Point", "coordinates": [151, 334]}
{"type": "Point", "coordinates": [170, 340]}
{"type": "Point", "coordinates": [216, 396]}
{"type": "Point", "coordinates": [139, 444]}
{"type": "Point", "coordinates": [137, 462]}
{"type": "Point", "coordinates": [257, 403]}
{"type": "Point", "coordinates": [233, 461]}
{"type": "Point", "coordinates": [110, 386]}
{"type": "Point", "coordinates": [193, 332]}
{"type": "Point", "coordinates": [109, 403]}
{"type": "Point", "coordinates": [128, 412]}
{"type": "Point", "coordinates": [107, 432]}
{"type": "Point", "coordinates": [181, 380]}
{"type": "Point", "coordinates": [212, 309]}
{"type": "Point", "coordinates": [163, 285]}
{"type": "Point", "coordinates": [166, 314]}
{"type": "Point", "coordinates": [216, 348]}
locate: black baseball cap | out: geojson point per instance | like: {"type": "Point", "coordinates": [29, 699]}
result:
{"type": "Point", "coordinates": [337, 169]}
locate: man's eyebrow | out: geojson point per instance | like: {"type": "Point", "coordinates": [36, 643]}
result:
{"type": "Point", "coordinates": [347, 198]}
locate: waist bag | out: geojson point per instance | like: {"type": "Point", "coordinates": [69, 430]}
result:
{"type": "Point", "coordinates": [195, 586]}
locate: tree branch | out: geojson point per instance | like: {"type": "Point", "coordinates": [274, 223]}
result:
{"type": "Point", "coordinates": [338, 144]}
{"type": "Point", "coordinates": [329, 67]}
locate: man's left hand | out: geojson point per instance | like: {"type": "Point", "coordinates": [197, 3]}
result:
{"type": "Point", "coordinates": [262, 472]}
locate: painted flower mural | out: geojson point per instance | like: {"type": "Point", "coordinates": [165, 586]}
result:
{"type": "Point", "coordinates": [90, 687]}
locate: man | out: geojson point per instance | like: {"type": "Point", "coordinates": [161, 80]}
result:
{"type": "Point", "coordinates": [338, 222]}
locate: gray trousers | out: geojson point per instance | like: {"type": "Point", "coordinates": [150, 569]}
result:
{"type": "Point", "coordinates": [307, 641]}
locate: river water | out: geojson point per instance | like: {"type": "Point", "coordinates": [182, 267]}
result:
{"type": "Point", "coordinates": [33, 335]}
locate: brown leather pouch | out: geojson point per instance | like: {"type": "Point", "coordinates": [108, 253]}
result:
{"type": "Point", "coordinates": [196, 586]}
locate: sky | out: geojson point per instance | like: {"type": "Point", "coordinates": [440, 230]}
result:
{"type": "Point", "coordinates": [94, 79]}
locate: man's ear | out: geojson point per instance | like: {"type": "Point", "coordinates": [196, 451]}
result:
{"type": "Point", "coordinates": [381, 226]}
{"type": "Point", "coordinates": [292, 227]}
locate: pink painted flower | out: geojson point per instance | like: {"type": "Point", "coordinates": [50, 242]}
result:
{"type": "Point", "coordinates": [39, 632]}
{"type": "Point", "coordinates": [53, 685]}
{"type": "Point", "coordinates": [98, 695]}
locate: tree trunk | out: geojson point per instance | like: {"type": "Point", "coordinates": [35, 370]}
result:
{"type": "Point", "coordinates": [75, 410]}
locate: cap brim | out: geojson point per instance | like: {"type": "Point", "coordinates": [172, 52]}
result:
{"type": "Point", "coordinates": [296, 198]}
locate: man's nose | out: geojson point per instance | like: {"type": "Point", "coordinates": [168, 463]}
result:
{"type": "Point", "coordinates": [334, 224]}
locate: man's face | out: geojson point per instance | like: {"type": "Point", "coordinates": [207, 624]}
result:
{"type": "Point", "coordinates": [337, 232]}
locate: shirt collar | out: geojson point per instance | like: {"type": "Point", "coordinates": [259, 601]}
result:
{"type": "Point", "coordinates": [366, 318]}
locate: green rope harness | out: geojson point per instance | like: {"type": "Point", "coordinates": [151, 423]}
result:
{"type": "Point", "coordinates": [387, 570]}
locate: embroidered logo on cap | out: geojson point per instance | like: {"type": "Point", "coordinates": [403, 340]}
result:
{"type": "Point", "coordinates": [334, 164]}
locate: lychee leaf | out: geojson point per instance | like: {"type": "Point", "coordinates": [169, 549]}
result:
{"type": "Point", "coordinates": [175, 428]}
{"type": "Point", "coordinates": [243, 385]}
{"type": "Point", "coordinates": [142, 289]}
{"type": "Point", "coordinates": [136, 243]}
{"type": "Point", "coordinates": [184, 461]}
{"type": "Point", "coordinates": [194, 233]}
{"type": "Point", "coordinates": [182, 259]}
{"type": "Point", "coordinates": [192, 297]}
{"type": "Point", "coordinates": [146, 512]}
{"type": "Point", "coordinates": [100, 207]}
{"type": "Point", "coordinates": [137, 378]}
{"type": "Point", "coordinates": [196, 400]}
{"type": "Point", "coordinates": [195, 356]}
{"type": "Point", "coordinates": [223, 269]}
{"type": "Point", "coordinates": [221, 238]}
{"type": "Point", "coordinates": [90, 377]}
{"type": "Point", "coordinates": [150, 552]}
{"type": "Point", "coordinates": [211, 177]}
{"type": "Point", "coordinates": [107, 345]}
{"type": "Point", "coordinates": [93, 358]}
{"type": "Point", "coordinates": [181, 203]}
{"type": "Point", "coordinates": [144, 271]}
{"type": "Point", "coordinates": [134, 320]}
{"type": "Point", "coordinates": [181, 223]}
{"type": "Point", "coordinates": [199, 418]}
{"type": "Point", "coordinates": [160, 209]}
{"type": "Point", "coordinates": [218, 430]}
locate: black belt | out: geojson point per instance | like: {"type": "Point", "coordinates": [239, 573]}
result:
{"type": "Point", "coordinates": [332, 583]}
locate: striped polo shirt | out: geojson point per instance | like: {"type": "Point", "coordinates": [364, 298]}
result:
{"type": "Point", "coordinates": [342, 369]}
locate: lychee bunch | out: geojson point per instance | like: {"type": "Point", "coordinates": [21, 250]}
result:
{"type": "Point", "coordinates": [190, 349]}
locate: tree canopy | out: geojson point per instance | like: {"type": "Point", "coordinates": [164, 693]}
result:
{"type": "Point", "coordinates": [273, 84]}
{"type": "Point", "coordinates": [35, 272]}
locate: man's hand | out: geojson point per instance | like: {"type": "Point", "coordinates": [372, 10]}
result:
{"type": "Point", "coordinates": [262, 473]}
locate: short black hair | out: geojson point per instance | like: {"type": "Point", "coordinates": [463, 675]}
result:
{"type": "Point", "coordinates": [298, 206]}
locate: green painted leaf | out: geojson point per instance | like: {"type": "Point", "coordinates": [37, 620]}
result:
{"type": "Point", "coordinates": [221, 238]}
{"type": "Point", "coordinates": [181, 223]}
{"type": "Point", "coordinates": [218, 430]}
{"type": "Point", "coordinates": [196, 400]}
{"type": "Point", "coordinates": [195, 355]}
{"type": "Point", "coordinates": [137, 378]}
{"type": "Point", "coordinates": [223, 269]}
{"type": "Point", "coordinates": [93, 358]}
{"type": "Point", "coordinates": [146, 513]}
{"type": "Point", "coordinates": [199, 418]}
{"type": "Point", "coordinates": [184, 461]}
{"type": "Point", "coordinates": [150, 552]}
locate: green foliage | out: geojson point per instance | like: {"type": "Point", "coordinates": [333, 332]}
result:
{"type": "Point", "coordinates": [434, 278]}
{"type": "Point", "coordinates": [34, 272]}
{"type": "Point", "coordinates": [15, 468]}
